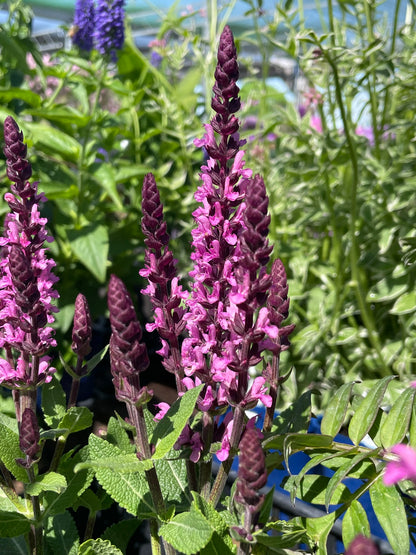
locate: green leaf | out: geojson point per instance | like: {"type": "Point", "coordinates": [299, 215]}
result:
{"type": "Point", "coordinates": [130, 491]}
{"type": "Point", "coordinates": [77, 483]}
{"type": "Point", "coordinates": [336, 410]}
{"type": "Point", "coordinates": [390, 511]}
{"type": "Point", "coordinates": [47, 482]}
{"type": "Point", "coordinates": [170, 427]}
{"type": "Point", "coordinates": [355, 522]}
{"type": "Point", "coordinates": [397, 421]}
{"type": "Point", "coordinates": [105, 175]}
{"type": "Point", "coordinates": [13, 524]}
{"type": "Point", "coordinates": [405, 304]}
{"type": "Point", "coordinates": [96, 359]}
{"type": "Point", "coordinates": [10, 502]}
{"type": "Point", "coordinates": [90, 245]}
{"type": "Point", "coordinates": [295, 418]}
{"type": "Point", "coordinates": [221, 535]}
{"type": "Point", "coordinates": [10, 448]}
{"type": "Point", "coordinates": [319, 529]}
{"type": "Point", "coordinates": [187, 532]}
{"type": "Point", "coordinates": [387, 289]}
{"type": "Point", "coordinates": [118, 436]}
{"type": "Point", "coordinates": [75, 420]}
{"type": "Point", "coordinates": [173, 480]}
{"type": "Point", "coordinates": [52, 141]}
{"type": "Point", "coordinates": [312, 489]}
{"type": "Point", "coordinates": [14, 546]}
{"type": "Point", "coordinates": [125, 462]}
{"type": "Point", "coordinates": [12, 93]}
{"type": "Point", "coordinates": [119, 534]}
{"type": "Point", "coordinates": [366, 413]}
{"type": "Point", "coordinates": [98, 547]}
{"type": "Point", "coordinates": [62, 534]}
{"type": "Point", "coordinates": [53, 402]}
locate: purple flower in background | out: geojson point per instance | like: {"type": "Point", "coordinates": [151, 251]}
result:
{"type": "Point", "coordinates": [26, 279]}
{"type": "Point", "coordinates": [404, 468]}
{"type": "Point", "coordinates": [109, 27]}
{"type": "Point", "coordinates": [84, 25]}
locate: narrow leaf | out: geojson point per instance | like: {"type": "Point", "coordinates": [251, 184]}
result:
{"type": "Point", "coordinates": [336, 410]}
{"type": "Point", "coordinates": [396, 424]}
{"type": "Point", "coordinates": [366, 412]}
{"type": "Point", "coordinates": [354, 523]}
{"type": "Point", "coordinates": [390, 511]}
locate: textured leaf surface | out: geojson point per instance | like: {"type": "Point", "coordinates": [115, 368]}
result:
{"type": "Point", "coordinates": [367, 410]}
{"type": "Point", "coordinates": [295, 418]}
{"type": "Point", "coordinates": [119, 534]}
{"type": "Point", "coordinates": [76, 419]}
{"type": "Point", "coordinates": [62, 534]}
{"type": "Point", "coordinates": [10, 449]}
{"type": "Point", "coordinates": [355, 522]}
{"type": "Point", "coordinates": [47, 482]}
{"type": "Point", "coordinates": [390, 511]}
{"type": "Point", "coordinates": [169, 428]}
{"type": "Point", "coordinates": [98, 547]}
{"type": "Point", "coordinates": [13, 546]}
{"type": "Point", "coordinates": [90, 245]}
{"type": "Point", "coordinates": [118, 436]}
{"type": "Point", "coordinates": [130, 491]}
{"type": "Point", "coordinates": [221, 534]}
{"type": "Point", "coordinates": [187, 532]}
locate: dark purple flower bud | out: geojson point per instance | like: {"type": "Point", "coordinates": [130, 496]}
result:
{"type": "Point", "coordinates": [278, 302]}
{"type": "Point", "coordinates": [19, 169]}
{"type": "Point", "coordinates": [82, 330]}
{"type": "Point", "coordinates": [252, 474]}
{"type": "Point", "coordinates": [109, 27]}
{"type": "Point", "coordinates": [153, 225]}
{"type": "Point", "coordinates": [361, 545]}
{"type": "Point", "coordinates": [84, 25]}
{"type": "Point", "coordinates": [126, 350]}
{"type": "Point", "coordinates": [29, 434]}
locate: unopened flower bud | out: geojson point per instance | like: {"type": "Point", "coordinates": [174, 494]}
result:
{"type": "Point", "coordinates": [82, 330]}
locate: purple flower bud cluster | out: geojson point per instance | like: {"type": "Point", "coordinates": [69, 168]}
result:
{"type": "Point", "coordinates": [101, 26]}
{"type": "Point", "coordinates": [28, 437]}
{"type": "Point", "coordinates": [84, 25]}
{"type": "Point", "coordinates": [26, 279]}
{"type": "Point", "coordinates": [127, 354]}
{"type": "Point", "coordinates": [82, 329]}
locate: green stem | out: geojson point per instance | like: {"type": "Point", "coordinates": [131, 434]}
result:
{"type": "Point", "coordinates": [386, 99]}
{"type": "Point", "coordinates": [36, 528]}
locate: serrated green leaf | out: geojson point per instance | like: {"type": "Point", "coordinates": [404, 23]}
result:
{"type": "Point", "coordinates": [130, 491]}
{"type": "Point", "coordinates": [390, 511]}
{"type": "Point", "coordinates": [53, 402]}
{"type": "Point", "coordinates": [76, 419]}
{"type": "Point", "coordinates": [366, 413]}
{"type": "Point", "coordinates": [90, 245]}
{"type": "Point", "coordinates": [170, 427]}
{"type": "Point", "coordinates": [221, 535]}
{"type": "Point", "coordinates": [397, 421]}
{"type": "Point", "coordinates": [13, 524]}
{"type": "Point", "coordinates": [125, 462]}
{"type": "Point", "coordinates": [187, 532]}
{"type": "Point", "coordinates": [10, 502]}
{"type": "Point", "coordinates": [98, 547]}
{"type": "Point", "coordinates": [173, 480]}
{"type": "Point", "coordinates": [405, 304]}
{"type": "Point", "coordinates": [62, 534]}
{"type": "Point", "coordinates": [118, 436]}
{"type": "Point", "coordinates": [336, 410]}
{"type": "Point", "coordinates": [354, 523]}
{"type": "Point", "coordinates": [47, 482]}
{"type": "Point", "coordinates": [10, 449]}
{"type": "Point", "coordinates": [119, 534]}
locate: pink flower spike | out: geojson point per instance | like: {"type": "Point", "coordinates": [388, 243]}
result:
{"type": "Point", "coordinates": [404, 468]}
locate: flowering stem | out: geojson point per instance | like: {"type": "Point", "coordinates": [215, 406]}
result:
{"type": "Point", "coordinates": [221, 478]}
{"type": "Point", "coordinates": [36, 528]}
{"type": "Point", "coordinates": [206, 467]}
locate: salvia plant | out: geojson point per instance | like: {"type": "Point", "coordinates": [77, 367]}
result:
{"type": "Point", "coordinates": [176, 469]}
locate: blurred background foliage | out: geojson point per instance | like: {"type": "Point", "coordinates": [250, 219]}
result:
{"type": "Point", "coordinates": [337, 153]}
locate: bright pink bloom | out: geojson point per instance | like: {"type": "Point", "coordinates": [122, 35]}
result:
{"type": "Point", "coordinates": [404, 468]}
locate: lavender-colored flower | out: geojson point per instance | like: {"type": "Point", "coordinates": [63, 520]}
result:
{"type": "Point", "coordinates": [82, 329]}
{"type": "Point", "coordinates": [109, 27]}
{"type": "Point", "coordinates": [127, 354]}
{"type": "Point", "coordinates": [26, 278]}
{"type": "Point", "coordinates": [84, 25]}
